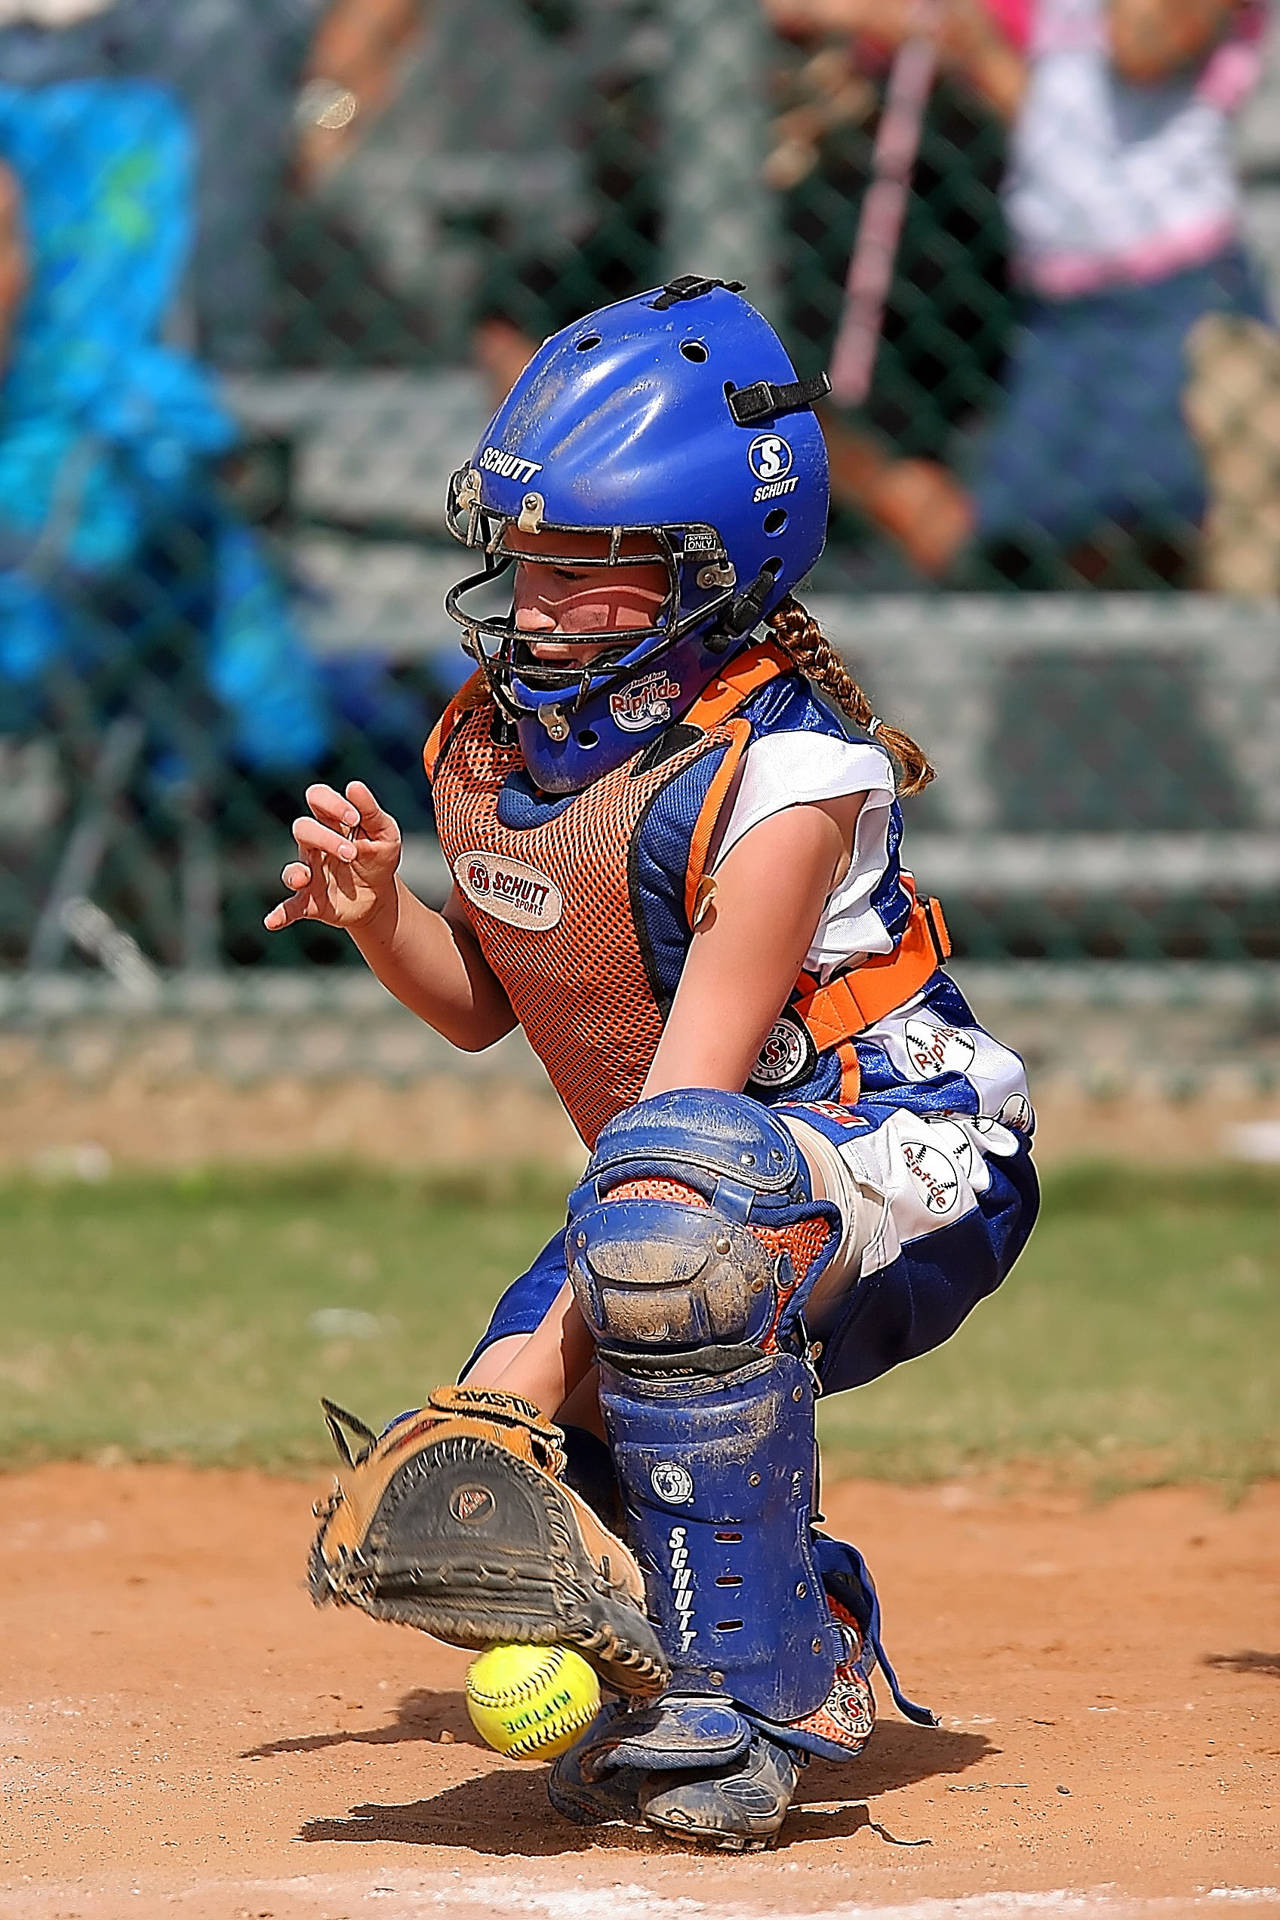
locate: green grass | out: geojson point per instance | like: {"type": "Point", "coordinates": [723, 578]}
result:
{"type": "Point", "coordinates": [1137, 1341]}
{"type": "Point", "coordinates": [176, 1318]}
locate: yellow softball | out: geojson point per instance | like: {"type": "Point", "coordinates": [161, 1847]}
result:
{"type": "Point", "coordinates": [531, 1703]}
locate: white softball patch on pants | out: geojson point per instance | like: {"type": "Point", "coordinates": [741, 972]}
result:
{"type": "Point", "coordinates": [914, 1174]}
{"type": "Point", "coordinates": [921, 1048]}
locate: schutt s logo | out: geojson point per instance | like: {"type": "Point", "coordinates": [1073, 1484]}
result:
{"type": "Point", "coordinates": [787, 1057]}
{"type": "Point", "coordinates": [509, 890]}
{"type": "Point", "coordinates": [769, 457]}
{"type": "Point", "coordinates": [672, 1483]}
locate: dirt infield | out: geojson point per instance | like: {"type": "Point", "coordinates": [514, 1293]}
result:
{"type": "Point", "coordinates": [180, 1731]}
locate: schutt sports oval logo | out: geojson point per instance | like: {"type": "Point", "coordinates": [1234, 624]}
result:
{"type": "Point", "coordinates": [509, 890]}
{"type": "Point", "coordinates": [787, 1056]}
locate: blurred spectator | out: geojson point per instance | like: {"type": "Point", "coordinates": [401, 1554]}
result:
{"type": "Point", "coordinates": [580, 80]}
{"type": "Point", "coordinates": [948, 317]}
{"type": "Point", "coordinates": [138, 136]}
{"type": "Point", "coordinates": [1124, 207]}
{"type": "Point", "coordinates": [116, 551]}
{"type": "Point", "coordinates": [262, 82]}
{"type": "Point", "coordinates": [1124, 217]}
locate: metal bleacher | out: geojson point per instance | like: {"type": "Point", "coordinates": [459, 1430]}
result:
{"type": "Point", "coordinates": [368, 457]}
{"type": "Point", "coordinates": [1096, 745]}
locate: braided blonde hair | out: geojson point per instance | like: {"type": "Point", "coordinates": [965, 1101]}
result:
{"type": "Point", "coordinates": [798, 633]}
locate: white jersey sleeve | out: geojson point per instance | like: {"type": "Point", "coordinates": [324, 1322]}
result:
{"type": "Point", "coordinates": [794, 769]}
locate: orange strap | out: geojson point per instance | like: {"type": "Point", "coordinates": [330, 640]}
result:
{"type": "Point", "coordinates": [469, 695]}
{"type": "Point", "coordinates": [727, 692]}
{"type": "Point", "coordinates": [697, 887]}
{"type": "Point", "coordinates": [857, 999]}
{"type": "Point", "coordinates": [742, 676]}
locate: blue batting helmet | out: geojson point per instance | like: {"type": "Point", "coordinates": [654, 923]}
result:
{"type": "Point", "coordinates": [675, 416]}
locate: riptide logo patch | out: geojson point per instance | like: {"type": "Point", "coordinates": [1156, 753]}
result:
{"type": "Point", "coordinates": [936, 1179]}
{"type": "Point", "coordinates": [933, 1050]}
{"type": "Point", "coordinates": [646, 703]}
{"type": "Point", "coordinates": [509, 466]}
{"type": "Point", "coordinates": [510, 891]}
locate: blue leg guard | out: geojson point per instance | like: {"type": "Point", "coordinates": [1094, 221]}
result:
{"type": "Point", "coordinates": [693, 1242]}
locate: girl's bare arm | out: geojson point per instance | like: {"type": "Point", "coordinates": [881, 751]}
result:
{"type": "Point", "coordinates": [744, 958]}
{"type": "Point", "coordinates": [433, 964]}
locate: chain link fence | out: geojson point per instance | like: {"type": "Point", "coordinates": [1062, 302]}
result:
{"type": "Point", "coordinates": [266, 266]}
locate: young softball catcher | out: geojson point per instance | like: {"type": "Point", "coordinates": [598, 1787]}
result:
{"type": "Point", "coordinates": [678, 870]}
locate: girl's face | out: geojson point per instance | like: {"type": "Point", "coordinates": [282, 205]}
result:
{"type": "Point", "coordinates": [557, 606]}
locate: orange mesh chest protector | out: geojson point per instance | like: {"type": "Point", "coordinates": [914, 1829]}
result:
{"type": "Point", "coordinates": [551, 903]}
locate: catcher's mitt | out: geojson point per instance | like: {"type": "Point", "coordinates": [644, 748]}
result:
{"type": "Point", "coordinates": [456, 1520]}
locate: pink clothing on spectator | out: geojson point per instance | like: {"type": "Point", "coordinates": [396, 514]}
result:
{"type": "Point", "coordinates": [1013, 17]}
{"type": "Point", "coordinates": [1112, 184]}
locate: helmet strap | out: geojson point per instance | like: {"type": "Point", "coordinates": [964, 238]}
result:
{"type": "Point", "coordinates": [746, 610]}
{"type": "Point", "coordinates": [764, 399]}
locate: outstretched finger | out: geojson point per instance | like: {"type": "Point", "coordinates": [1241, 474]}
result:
{"type": "Point", "coordinates": [330, 806]}
{"type": "Point", "coordinates": [373, 818]}
{"type": "Point", "coordinates": [285, 913]}
{"type": "Point", "coordinates": [313, 837]}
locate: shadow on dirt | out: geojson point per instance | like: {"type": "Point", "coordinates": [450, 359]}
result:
{"type": "Point", "coordinates": [1248, 1660]}
{"type": "Point", "coordinates": [505, 1811]}
{"type": "Point", "coordinates": [897, 1756]}
{"type": "Point", "coordinates": [420, 1715]}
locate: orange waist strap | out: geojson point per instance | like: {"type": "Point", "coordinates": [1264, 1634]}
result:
{"type": "Point", "coordinates": [857, 999]}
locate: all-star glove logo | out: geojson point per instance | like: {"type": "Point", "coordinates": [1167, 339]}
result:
{"type": "Point", "coordinates": [509, 890]}
{"type": "Point", "coordinates": [645, 703]}
{"type": "Point", "coordinates": [470, 1504]}
{"type": "Point", "coordinates": [787, 1057]}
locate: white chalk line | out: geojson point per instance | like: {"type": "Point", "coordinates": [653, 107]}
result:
{"type": "Point", "coordinates": [393, 1895]}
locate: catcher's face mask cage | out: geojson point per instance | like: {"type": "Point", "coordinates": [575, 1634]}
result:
{"type": "Point", "coordinates": [627, 426]}
{"type": "Point", "coordinates": [700, 583]}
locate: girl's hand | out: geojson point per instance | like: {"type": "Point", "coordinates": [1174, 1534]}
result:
{"type": "Point", "coordinates": [348, 853]}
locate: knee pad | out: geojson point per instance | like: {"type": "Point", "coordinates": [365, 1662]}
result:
{"type": "Point", "coordinates": [695, 1229]}
{"type": "Point", "coordinates": [692, 1243]}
